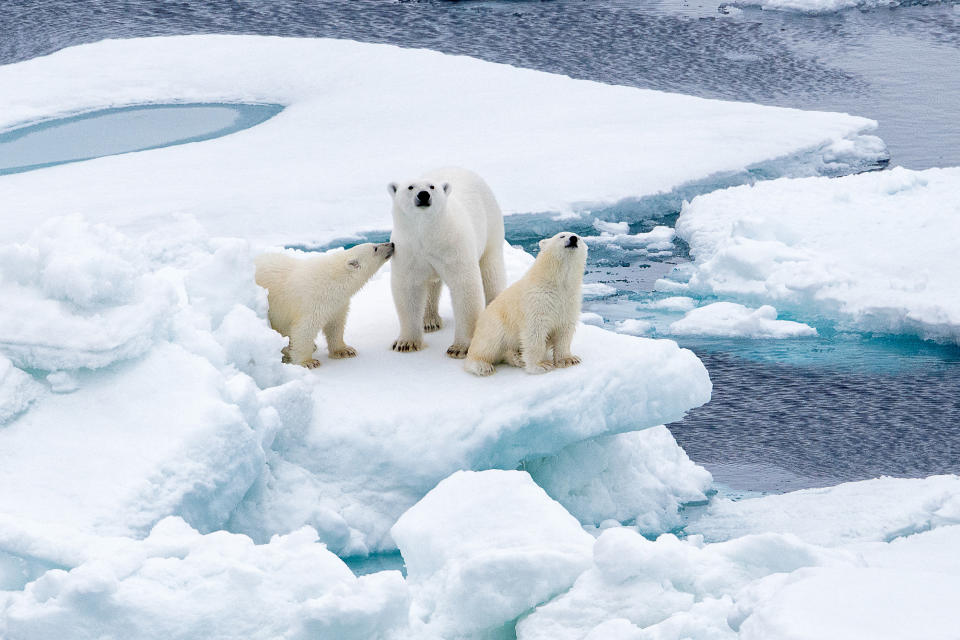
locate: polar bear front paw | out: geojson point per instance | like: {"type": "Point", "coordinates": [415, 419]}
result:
{"type": "Point", "coordinates": [432, 324]}
{"type": "Point", "coordinates": [540, 367]}
{"type": "Point", "coordinates": [407, 345]}
{"type": "Point", "coordinates": [458, 351]}
{"type": "Point", "coordinates": [479, 367]}
{"type": "Point", "coordinates": [312, 363]}
{"type": "Point", "coordinates": [345, 352]}
{"type": "Point", "coordinates": [569, 361]}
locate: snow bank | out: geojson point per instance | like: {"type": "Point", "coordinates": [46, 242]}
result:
{"type": "Point", "coordinates": [800, 576]}
{"type": "Point", "coordinates": [874, 252]}
{"type": "Point", "coordinates": [483, 548]}
{"type": "Point", "coordinates": [177, 583]}
{"type": "Point", "coordinates": [736, 320]}
{"type": "Point", "coordinates": [317, 170]}
{"type": "Point", "coordinates": [641, 478]}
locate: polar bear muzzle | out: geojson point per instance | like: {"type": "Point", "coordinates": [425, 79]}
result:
{"type": "Point", "coordinates": [572, 242]}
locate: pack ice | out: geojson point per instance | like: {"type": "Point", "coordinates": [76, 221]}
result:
{"type": "Point", "coordinates": [162, 474]}
{"type": "Point", "coordinates": [870, 252]}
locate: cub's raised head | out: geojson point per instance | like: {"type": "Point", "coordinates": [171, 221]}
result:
{"type": "Point", "coordinates": [419, 197]}
{"type": "Point", "coordinates": [363, 260]}
{"type": "Point", "coordinates": [565, 246]}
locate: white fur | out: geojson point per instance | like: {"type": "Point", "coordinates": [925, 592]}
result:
{"type": "Point", "coordinates": [308, 294]}
{"type": "Point", "coordinates": [456, 240]}
{"type": "Point", "coordinates": [535, 315]}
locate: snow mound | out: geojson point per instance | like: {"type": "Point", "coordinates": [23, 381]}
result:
{"type": "Point", "coordinates": [179, 584]}
{"type": "Point", "coordinates": [89, 298]}
{"type": "Point", "coordinates": [17, 391]}
{"type": "Point", "coordinates": [670, 588]}
{"type": "Point", "coordinates": [641, 478]}
{"type": "Point", "coordinates": [317, 170]}
{"type": "Point", "coordinates": [483, 548]}
{"type": "Point", "coordinates": [873, 252]}
{"type": "Point", "coordinates": [736, 320]}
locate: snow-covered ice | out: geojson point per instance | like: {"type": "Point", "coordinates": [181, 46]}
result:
{"type": "Point", "coordinates": [317, 170]}
{"type": "Point", "coordinates": [871, 563]}
{"type": "Point", "coordinates": [735, 320]}
{"type": "Point", "coordinates": [195, 416]}
{"type": "Point", "coordinates": [633, 326]}
{"type": "Point", "coordinates": [642, 478]}
{"type": "Point", "coordinates": [484, 547]}
{"type": "Point", "coordinates": [872, 252]}
{"type": "Point", "coordinates": [177, 584]}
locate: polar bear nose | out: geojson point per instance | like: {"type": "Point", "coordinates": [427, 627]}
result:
{"type": "Point", "coordinates": [572, 242]}
{"type": "Point", "coordinates": [423, 199]}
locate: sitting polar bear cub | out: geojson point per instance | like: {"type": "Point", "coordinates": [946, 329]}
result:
{"type": "Point", "coordinates": [447, 228]}
{"type": "Point", "coordinates": [306, 295]}
{"type": "Point", "coordinates": [537, 313]}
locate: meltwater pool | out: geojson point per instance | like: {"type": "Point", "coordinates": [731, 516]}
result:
{"type": "Point", "coordinates": [108, 132]}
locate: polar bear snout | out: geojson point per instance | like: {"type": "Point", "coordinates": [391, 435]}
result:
{"type": "Point", "coordinates": [384, 249]}
{"type": "Point", "coordinates": [423, 199]}
{"type": "Point", "coordinates": [572, 242]}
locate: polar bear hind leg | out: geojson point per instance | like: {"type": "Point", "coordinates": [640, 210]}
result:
{"type": "Point", "coordinates": [492, 273]}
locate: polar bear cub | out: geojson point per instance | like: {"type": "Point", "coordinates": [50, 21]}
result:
{"type": "Point", "coordinates": [536, 314]}
{"type": "Point", "coordinates": [447, 228]}
{"type": "Point", "coordinates": [308, 294]}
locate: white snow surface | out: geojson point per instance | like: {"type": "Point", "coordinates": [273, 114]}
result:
{"type": "Point", "coordinates": [484, 547]}
{"type": "Point", "coordinates": [735, 320]}
{"type": "Point", "coordinates": [873, 252]}
{"type": "Point", "coordinates": [318, 170]}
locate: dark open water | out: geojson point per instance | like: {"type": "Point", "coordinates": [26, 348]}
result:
{"type": "Point", "coordinates": [784, 414]}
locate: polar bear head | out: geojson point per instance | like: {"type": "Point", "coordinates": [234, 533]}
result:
{"type": "Point", "coordinates": [565, 253]}
{"type": "Point", "coordinates": [363, 260]}
{"type": "Point", "coordinates": [419, 197]}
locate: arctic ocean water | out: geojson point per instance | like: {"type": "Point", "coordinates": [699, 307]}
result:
{"type": "Point", "coordinates": [785, 414]}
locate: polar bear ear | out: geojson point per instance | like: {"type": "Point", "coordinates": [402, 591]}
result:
{"type": "Point", "coordinates": [353, 265]}
{"type": "Point", "coordinates": [392, 188]}
{"type": "Point", "coordinates": [543, 243]}
{"type": "Point", "coordinates": [446, 188]}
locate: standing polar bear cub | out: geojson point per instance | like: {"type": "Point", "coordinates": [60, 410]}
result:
{"type": "Point", "coordinates": [448, 229]}
{"type": "Point", "coordinates": [306, 295]}
{"type": "Point", "coordinates": [536, 314]}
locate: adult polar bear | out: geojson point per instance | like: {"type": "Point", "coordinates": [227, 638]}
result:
{"type": "Point", "coordinates": [447, 228]}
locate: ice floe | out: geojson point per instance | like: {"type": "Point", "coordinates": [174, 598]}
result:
{"type": "Point", "coordinates": [872, 252]}
{"type": "Point", "coordinates": [482, 549]}
{"type": "Point", "coordinates": [735, 320]}
{"type": "Point", "coordinates": [317, 170]}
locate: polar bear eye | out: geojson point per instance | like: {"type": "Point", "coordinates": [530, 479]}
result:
{"type": "Point", "coordinates": [431, 186]}
{"type": "Point", "coordinates": [410, 187]}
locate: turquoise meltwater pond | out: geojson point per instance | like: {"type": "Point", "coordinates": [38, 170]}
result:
{"type": "Point", "coordinates": [119, 130]}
